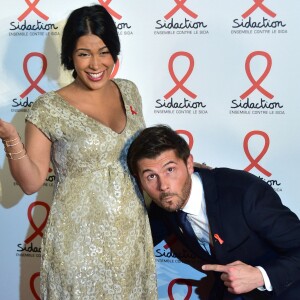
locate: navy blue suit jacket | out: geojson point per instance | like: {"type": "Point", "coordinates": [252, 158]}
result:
{"type": "Point", "coordinates": [255, 227]}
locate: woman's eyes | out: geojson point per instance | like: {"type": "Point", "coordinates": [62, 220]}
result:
{"type": "Point", "coordinates": [102, 53]}
{"type": "Point", "coordinates": [83, 54]}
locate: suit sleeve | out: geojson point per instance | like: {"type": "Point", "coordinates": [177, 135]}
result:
{"type": "Point", "coordinates": [280, 227]}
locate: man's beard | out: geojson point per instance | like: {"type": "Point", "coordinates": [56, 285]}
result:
{"type": "Point", "coordinates": [182, 197]}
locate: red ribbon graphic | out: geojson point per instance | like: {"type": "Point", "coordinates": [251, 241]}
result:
{"type": "Point", "coordinates": [189, 135]}
{"type": "Point", "coordinates": [180, 281]}
{"type": "Point", "coordinates": [111, 11]}
{"type": "Point", "coordinates": [180, 5]}
{"type": "Point", "coordinates": [115, 70]}
{"type": "Point", "coordinates": [258, 4]}
{"type": "Point", "coordinates": [40, 76]}
{"type": "Point", "coordinates": [179, 83]}
{"type": "Point", "coordinates": [32, 7]}
{"type": "Point", "coordinates": [256, 84]}
{"type": "Point", "coordinates": [32, 280]}
{"type": "Point", "coordinates": [255, 162]}
{"type": "Point", "coordinates": [38, 230]}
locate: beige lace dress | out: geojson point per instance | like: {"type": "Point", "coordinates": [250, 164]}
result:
{"type": "Point", "coordinates": [97, 243]}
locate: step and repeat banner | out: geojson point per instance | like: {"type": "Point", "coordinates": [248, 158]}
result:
{"type": "Point", "coordinates": [224, 74]}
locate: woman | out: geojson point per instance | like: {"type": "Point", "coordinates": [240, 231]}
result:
{"type": "Point", "coordinates": [97, 243]}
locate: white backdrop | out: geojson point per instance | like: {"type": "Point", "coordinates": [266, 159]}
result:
{"type": "Point", "coordinates": [224, 73]}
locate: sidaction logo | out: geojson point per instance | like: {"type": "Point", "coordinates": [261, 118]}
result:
{"type": "Point", "coordinates": [122, 27]}
{"type": "Point", "coordinates": [28, 248]}
{"type": "Point", "coordinates": [50, 179]}
{"type": "Point", "coordinates": [250, 24]}
{"type": "Point", "coordinates": [22, 104]}
{"type": "Point", "coordinates": [39, 28]}
{"type": "Point", "coordinates": [164, 254]}
{"type": "Point", "coordinates": [171, 103]}
{"type": "Point", "coordinates": [265, 105]}
{"type": "Point", "coordinates": [255, 163]}
{"type": "Point", "coordinates": [171, 24]}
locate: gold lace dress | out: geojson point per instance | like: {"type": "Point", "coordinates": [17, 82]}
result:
{"type": "Point", "coordinates": [97, 243]}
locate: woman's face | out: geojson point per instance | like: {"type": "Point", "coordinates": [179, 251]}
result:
{"type": "Point", "coordinates": [92, 61]}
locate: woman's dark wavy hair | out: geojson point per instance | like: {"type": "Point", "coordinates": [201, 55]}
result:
{"type": "Point", "coordinates": [152, 141]}
{"type": "Point", "coordinates": [95, 20]}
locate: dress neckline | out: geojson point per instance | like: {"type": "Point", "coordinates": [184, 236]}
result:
{"type": "Point", "coordinates": [75, 109]}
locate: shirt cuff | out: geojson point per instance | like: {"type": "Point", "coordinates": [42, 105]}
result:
{"type": "Point", "coordinates": [267, 286]}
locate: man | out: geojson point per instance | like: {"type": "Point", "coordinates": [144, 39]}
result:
{"type": "Point", "coordinates": [239, 225]}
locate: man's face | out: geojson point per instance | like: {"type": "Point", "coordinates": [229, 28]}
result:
{"type": "Point", "coordinates": [166, 179]}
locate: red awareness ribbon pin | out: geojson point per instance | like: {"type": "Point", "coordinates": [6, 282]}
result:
{"type": "Point", "coordinates": [133, 112]}
{"type": "Point", "coordinates": [218, 238]}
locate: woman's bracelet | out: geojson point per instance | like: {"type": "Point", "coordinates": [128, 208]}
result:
{"type": "Point", "coordinates": [11, 158]}
{"type": "Point", "coordinates": [10, 155]}
{"type": "Point", "coordinates": [11, 143]}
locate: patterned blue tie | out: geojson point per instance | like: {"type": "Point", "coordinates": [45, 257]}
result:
{"type": "Point", "coordinates": [184, 223]}
{"type": "Point", "coordinates": [202, 247]}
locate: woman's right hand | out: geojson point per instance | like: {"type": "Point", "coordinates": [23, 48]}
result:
{"type": "Point", "coordinates": [7, 131]}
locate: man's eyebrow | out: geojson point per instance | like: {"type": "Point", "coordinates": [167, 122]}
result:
{"type": "Point", "coordinates": [147, 170]}
{"type": "Point", "coordinates": [169, 162]}
{"type": "Point", "coordinates": [165, 165]}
